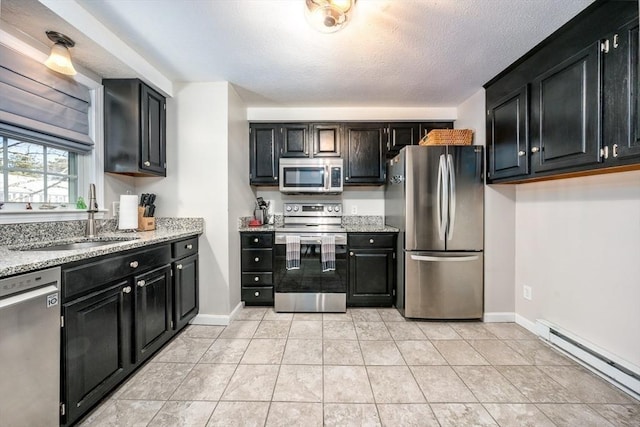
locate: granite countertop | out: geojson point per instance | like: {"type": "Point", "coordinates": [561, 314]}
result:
{"type": "Point", "coordinates": [16, 261]}
{"type": "Point", "coordinates": [351, 224]}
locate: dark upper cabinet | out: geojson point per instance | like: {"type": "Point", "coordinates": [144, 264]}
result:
{"type": "Point", "coordinates": [507, 135]}
{"type": "Point", "coordinates": [621, 135]}
{"type": "Point", "coordinates": [96, 350]}
{"type": "Point", "coordinates": [153, 312]}
{"type": "Point", "coordinates": [264, 151]}
{"type": "Point", "coordinates": [364, 149]}
{"type": "Point", "coordinates": [326, 139]}
{"type": "Point", "coordinates": [134, 128]}
{"type": "Point", "coordinates": [583, 102]}
{"type": "Point", "coordinates": [565, 113]}
{"type": "Point", "coordinates": [401, 135]}
{"type": "Point", "coordinates": [294, 140]}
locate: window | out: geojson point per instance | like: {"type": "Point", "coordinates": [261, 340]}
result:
{"type": "Point", "coordinates": [37, 173]}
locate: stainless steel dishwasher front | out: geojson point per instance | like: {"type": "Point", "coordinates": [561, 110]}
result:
{"type": "Point", "coordinates": [30, 349]}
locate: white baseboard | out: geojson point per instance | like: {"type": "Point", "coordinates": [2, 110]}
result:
{"type": "Point", "coordinates": [499, 317]}
{"type": "Point", "coordinates": [216, 319]}
{"type": "Point", "coordinates": [527, 324]}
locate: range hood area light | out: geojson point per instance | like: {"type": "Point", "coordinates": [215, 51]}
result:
{"type": "Point", "coordinates": [329, 16]}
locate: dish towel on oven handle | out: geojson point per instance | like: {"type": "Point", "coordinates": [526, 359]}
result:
{"type": "Point", "coordinates": [293, 252]}
{"type": "Point", "coordinates": [328, 253]}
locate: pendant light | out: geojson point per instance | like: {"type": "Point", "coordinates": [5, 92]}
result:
{"type": "Point", "coordinates": [328, 16]}
{"type": "Point", "coordinates": [59, 59]}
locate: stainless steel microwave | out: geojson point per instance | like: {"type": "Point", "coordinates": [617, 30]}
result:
{"type": "Point", "coordinates": [322, 175]}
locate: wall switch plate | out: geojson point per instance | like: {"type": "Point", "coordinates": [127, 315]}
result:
{"type": "Point", "coordinates": [526, 292]}
{"type": "Point", "coordinates": [115, 207]}
{"type": "Point", "coordinates": [354, 210]}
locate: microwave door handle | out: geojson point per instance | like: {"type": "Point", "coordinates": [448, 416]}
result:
{"type": "Point", "coordinates": [326, 177]}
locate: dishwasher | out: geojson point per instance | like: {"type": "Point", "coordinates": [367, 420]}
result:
{"type": "Point", "coordinates": [30, 349]}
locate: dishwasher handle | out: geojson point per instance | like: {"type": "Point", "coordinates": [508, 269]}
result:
{"type": "Point", "coordinates": [25, 296]}
{"type": "Point", "coordinates": [430, 258]}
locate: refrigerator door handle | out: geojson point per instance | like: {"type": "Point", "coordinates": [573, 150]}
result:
{"type": "Point", "coordinates": [444, 258]}
{"type": "Point", "coordinates": [442, 198]}
{"type": "Point", "coordinates": [452, 196]}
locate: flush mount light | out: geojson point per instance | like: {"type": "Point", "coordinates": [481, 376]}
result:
{"type": "Point", "coordinates": [59, 59]}
{"type": "Point", "coordinates": [328, 16]}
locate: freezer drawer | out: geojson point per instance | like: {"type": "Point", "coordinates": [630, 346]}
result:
{"type": "Point", "coordinates": [443, 285]}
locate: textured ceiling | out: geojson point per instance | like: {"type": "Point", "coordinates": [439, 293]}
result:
{"type": "Point", "coordinates": [394, 53]}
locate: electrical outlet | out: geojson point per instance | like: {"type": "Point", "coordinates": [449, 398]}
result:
{"type": "Point", "coordinates": [354, 210]}
{"type": "Point", "coordinates": [115, 207]}
{"type": "Point", "coordinates": [526, 292]}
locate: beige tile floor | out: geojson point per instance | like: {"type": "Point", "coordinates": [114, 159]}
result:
{"type": "Point", "coordinates": [368, 367]}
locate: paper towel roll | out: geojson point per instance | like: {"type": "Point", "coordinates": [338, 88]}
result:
{"type": "Point", "coordinates": [128, 216]}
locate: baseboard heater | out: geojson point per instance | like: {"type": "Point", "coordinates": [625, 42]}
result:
{"type": "Point", "coordinates": [622, 374]}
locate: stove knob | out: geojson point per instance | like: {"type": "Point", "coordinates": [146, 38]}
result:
{"type": "Point", "coordinates": [296, 208]}
{"type": "Point", "coordinates": [337, 208]}
{"type": "Point", "coordinates": [330, 209]}
{"type": "Point", "coordinates": [288, 208]}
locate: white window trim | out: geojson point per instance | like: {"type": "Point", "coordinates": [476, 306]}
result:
{"type": "Point", "coordinates": [90, 166]}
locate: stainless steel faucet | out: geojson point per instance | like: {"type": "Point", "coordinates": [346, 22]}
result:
{"type": "Point", "coordinates": [93, 208]}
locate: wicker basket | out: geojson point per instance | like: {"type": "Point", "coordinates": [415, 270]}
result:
{"type": "Point", "coordinates": [448, 137]}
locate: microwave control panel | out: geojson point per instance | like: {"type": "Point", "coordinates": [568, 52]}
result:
{"type": "Point", "coordinates": [336, 177]}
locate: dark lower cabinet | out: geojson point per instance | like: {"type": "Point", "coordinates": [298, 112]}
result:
{"type": "Point", "coordinates": [117, 311]}
{"type": "Point", "coordinates": [372, 264]}
{"type": "Point", "coordinates": [256, 261]}
{"type": "Point", "coordinates": [153, 324]}
{"type": "Point", "coordinates": [96, 347]}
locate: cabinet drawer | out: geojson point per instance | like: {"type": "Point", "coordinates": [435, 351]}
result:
{"type": "Point", "coordinates": [257, 296]}
{"type": "Point", "coordinates": [86, 277]}
{"type": "Point", "coordinates": [257, 260]}
{"type": "Point", "coordinates": [257, 240]}
{"type": "Point", "coordinates": [372, 240]}
{"type": "Point", "coordinates": [257, 279]}
{"type": "Point", "coordinates": [184, 248]}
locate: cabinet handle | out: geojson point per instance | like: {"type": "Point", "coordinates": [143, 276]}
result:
{"type": "Point", "coordinates": [615, 41]}
{"type": "Point", "coordinates": [350, 253]}
{"type": "Point", "coordinates": [615, 150]}
{"type": "Point", "coordinates": [133, 264]}
{"type": "Point", "coordinates": [126, 289]}
{"type": "Point", "coordinates": [370, 240]}
{"type": "Point", "coordinates": [189, 246]}
{"type": "Point", "coordinates": [256, 279]}
{"type": "Point", "coordinates": [141, 283]}
{"type": "Point", "coordinates": [535, 149]}
{"type": "Point", "coordinates": [346, 178]}
{"type": "Point", "coordinates": [522, 153]}
{"type": "Point", "coordinates": [147, 163]}
{"type": "Point", "coordinates": [256, 240]}
{"type": "Point", "coordinates": [256, 293]}
{"type": "Point", "coordinates": [257, 259]}
{"type": "Point", "coordinates": [179, 266]}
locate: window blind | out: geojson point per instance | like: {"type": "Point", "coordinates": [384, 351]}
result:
{"type": "Point", "coordinates": [39, 103]}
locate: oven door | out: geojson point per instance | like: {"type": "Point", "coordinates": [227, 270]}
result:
{"type": "Point", "coordinates": [310, 278]}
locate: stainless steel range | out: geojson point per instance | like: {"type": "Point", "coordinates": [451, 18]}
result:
{"type": "Point", "coordinates": [309, 288]}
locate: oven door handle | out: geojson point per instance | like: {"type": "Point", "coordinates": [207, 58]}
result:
{"type": "Point", "coordinates": [314, 240]}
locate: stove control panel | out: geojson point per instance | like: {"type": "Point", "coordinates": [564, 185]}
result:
{"type": "Point", "coordinates": [312, 209]}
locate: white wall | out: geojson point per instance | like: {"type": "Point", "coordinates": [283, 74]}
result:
{"type": "Point", "coordinates": [578, 246]}
{"type": "Point", "coordinates": [499, 224]}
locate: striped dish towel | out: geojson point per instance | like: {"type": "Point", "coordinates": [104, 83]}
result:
{"type": "Point", "coordinates": [328, 253]}
{"type": "Point", "coordinates": [293, 252]}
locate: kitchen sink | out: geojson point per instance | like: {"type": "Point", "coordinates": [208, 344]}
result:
{"type": "Point", "coordinates": [84, 243]}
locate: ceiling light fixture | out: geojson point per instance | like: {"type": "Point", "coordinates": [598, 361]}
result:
{"type": "Point", "coordinates": [59, 59]}
{"type": "Point", "coordinates": [328, 16]}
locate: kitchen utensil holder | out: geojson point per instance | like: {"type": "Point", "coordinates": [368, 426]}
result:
{"type": "Point", "coordinates": [145, 223]}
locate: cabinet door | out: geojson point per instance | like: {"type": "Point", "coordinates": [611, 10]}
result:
{"type": "Point", "coordinates": [364, 153]}
{"type": "Point", "coordinates": [263, 154]}
{"type": "Point", "coordinates": [294, 140]}
{"type": "Point", "coordinates": [153, 140]}
{"type": "Point", "coordinates": [96, 346]}
{"type": "Point", "coordinates": [326, 139]}
{"type": "Point", "coordinates": [565, 113]}
{"type": "Point", "coordinates": [507, 136]}
{"type": "Point", "coordinates": [185, 291]}
{"type": "Point", "coordinates": [370, 277]}
{"type": "Point", "coordinates": [621, 86]}
{"type": "Point", "coordinates": [153, 311]}
{"type": "Point", "coordinates": [401, 135]}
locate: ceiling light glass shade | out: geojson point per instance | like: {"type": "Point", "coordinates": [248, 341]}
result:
{"type": "Point", "coordinates": [328, 16]}
{"type": "Point", "coordinates": [59, 60]}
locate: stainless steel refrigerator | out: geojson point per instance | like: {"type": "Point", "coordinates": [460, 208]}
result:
{"type": "Point", "coordinates": [434, 195]}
